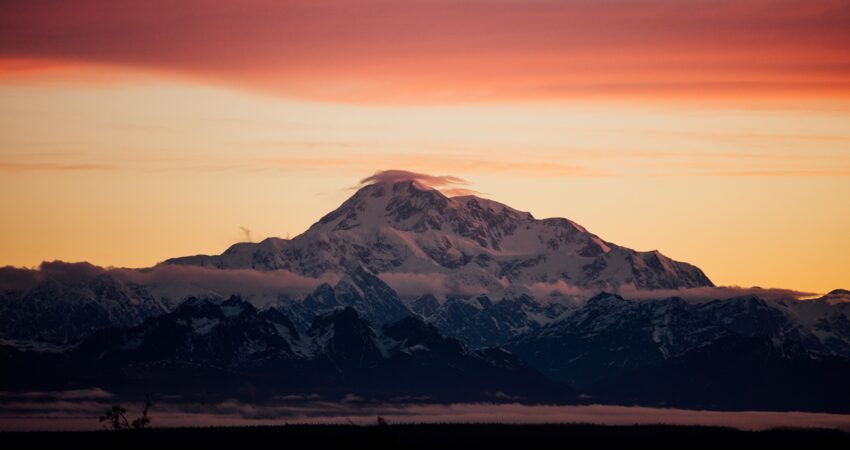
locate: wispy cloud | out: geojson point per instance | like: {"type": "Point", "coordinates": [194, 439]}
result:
{"type": "Point", "coordinates": [452, 51]}
{"type": "Point", "coordinates": [458, 192]}
{"type": "Point", "coordinates": [542, 290]}
{"type": "Point", "coordinates": [431, 162]}
{"type": "Point", "coordinates": [707, 164]}
{"type": "Point", "coordinates": [23, 167]}
{"type": "Point", "coordinates": [185, 280]}
{"type": "Point", "coordinates": [340, 163]}
{"type": "Point", "coordinates": [837, 172]}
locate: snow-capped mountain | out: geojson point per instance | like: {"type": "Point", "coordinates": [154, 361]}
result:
{"type": "Point", "coordinates": [358, 289]}
{"type": "Point", "coordinates": [482, 322]}
{"type": "Point", "coordinates": [467, 244]}
{"type": "Point", "coordinates": [230, 347]}
{"type": "Point", "coordinates": [201, 332]}
{"type": "Point", "coordinates": [59, 311]}
{"type": "Point", "coordinates": [610, 336]}
{"type": "Point", "coordinates": [736, 372]}
{"type": "Point", "coordinates": [477, 321]}
{"type": "Point", "coordinates": [837, 296]}
{"type": "Point", "coordinates": [404, 292]}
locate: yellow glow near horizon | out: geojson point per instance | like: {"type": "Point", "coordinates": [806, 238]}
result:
{"type": "Point", "coordinates": [129, 174]}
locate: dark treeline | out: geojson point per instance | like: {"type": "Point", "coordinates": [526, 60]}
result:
{"type": "Point", "coordinates": [439, 437]}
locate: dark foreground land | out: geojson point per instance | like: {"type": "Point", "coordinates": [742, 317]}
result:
{"type": "Point", "coordinates": [439, 437]}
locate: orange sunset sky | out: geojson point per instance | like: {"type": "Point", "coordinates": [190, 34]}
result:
{"type": "Point", "coordinates": [717, 132]}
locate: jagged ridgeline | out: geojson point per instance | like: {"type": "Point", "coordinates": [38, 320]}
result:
{"type": "Point", "coordinates": [472, 324]}
{"type": "Point", "coordinates": [224, 349]}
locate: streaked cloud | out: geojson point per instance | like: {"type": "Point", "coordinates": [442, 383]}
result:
{"type": "Point", "coordinates": [441, 51]}
{"type": "Point", "coordinates": [706, 164]}
{"type": "Point", "coordinates": [22, 167]}
{"type": "Point", "coordinates": [543, 289]}
{"type": "Point", "coordinates": [364, 162]}
{"type": "Point", "coordinates": [185, 280]}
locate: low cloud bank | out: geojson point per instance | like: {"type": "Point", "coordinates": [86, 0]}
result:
{"type": "Point", "coordinates": [226, 281]}
{"type": "Point", "coordinates": [60, 411]}
{"type": "Point", "coordinates": [20, 278]}
{"type": "Point", "coordinates": [560, 287]}
{"type": "Point", "coordinates": [413, 285]}
{"type": "Point", "coordinates": [193, 280]}
{"type": "Point", "coordinates": [541, 290]}
{"type": "Point", "coordinates": [416, 284]}
{"type": "Point", "coordinates": [188, 279]}
{"type": "Point", "coordinates": [718, 292]}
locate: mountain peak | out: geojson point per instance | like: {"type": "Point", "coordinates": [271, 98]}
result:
{"type": "Point", "coordinates": [397, 223]}
{"type": "Point", "coordinates": [603, 298]}
{"type": "Point", "coordinates": [837, 296]}
{"type": "Point", "coordinates": [376, 204]}
{"type": "Point", "coordinates": [394, 188]}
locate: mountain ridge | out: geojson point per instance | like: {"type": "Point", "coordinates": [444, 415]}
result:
{"type": "Point", "coordinates": [466, 241]}
{"type": "Point", "coordinates": [230, 348]}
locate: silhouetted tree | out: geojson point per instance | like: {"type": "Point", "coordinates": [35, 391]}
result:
{"type": "Point", "coordinates": [116, 417]}
{"type": "Point", "coordinates": [144, 419]}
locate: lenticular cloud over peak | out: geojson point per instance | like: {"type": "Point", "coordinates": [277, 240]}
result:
{"type": "Point", "coordinates": [449, 185]}
{"type": "Point", "coordinates": [424, 179]}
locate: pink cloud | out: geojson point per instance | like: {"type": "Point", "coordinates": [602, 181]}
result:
{"type": "Point", "coordinates": [542, 290]}
{"type": "Point", "coordinates": [560, 287]}
{"type": "Point", "coordinates": [413, 285]}
{"type": "Point", "coordinates": [451, 50]}
{"type": "Point", "coordinates": [410, 285]}
{"type": "Point", "coordinates": [225, 281]}
{"type": "Point", "coordinates": [175, 278]}
{"type": "Point", "coordinates": [395, 176]}
{"type": "Point", "coordinates": [461, 192]}
{"type": "Point", "coordinates": [717, 292]}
